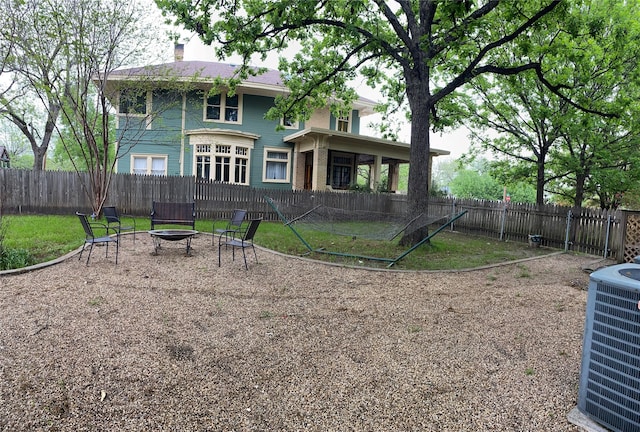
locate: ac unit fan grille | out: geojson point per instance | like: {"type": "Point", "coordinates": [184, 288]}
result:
{"type": "Point", "coordinates": [613, 377]}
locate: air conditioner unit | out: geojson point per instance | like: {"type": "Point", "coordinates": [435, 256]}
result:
{"type": "Point", "coordinates": [609, 390]}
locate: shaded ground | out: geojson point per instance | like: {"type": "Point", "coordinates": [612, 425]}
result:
{"type": "Point", "coordinates": [172, 342]}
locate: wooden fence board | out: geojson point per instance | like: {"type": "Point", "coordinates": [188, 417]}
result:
{"type": "Point", "coordinates": [51, 192]}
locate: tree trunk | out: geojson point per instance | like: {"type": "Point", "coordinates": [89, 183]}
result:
{"type": "Point", "coordinates": [536, 226]}
{"type": "Point", "coordinates": [418, 185]}
{"type": "Point", "coordinates": [40, 152]}
{"type": "Point", "coordinates": [581, 178]}
{"type": "Point", "coordinates": [39, 158]}
{"type": "Point", "coordinates": [540, 181]}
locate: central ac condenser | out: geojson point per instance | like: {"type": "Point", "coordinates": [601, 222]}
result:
{"type": "Point", "coordinates": [609, 390]}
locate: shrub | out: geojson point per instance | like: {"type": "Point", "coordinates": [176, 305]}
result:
{"type": "Point", "coordinates": [15, 258]}
{"type": "Point", "coordinates": [12, 258]}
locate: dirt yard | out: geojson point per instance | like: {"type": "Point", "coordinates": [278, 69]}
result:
{"type": "Point", "coordinates": [173, 342]}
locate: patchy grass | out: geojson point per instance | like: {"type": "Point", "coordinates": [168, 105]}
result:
{"type": "Point", "coordinates": [48, 237]}
{"type": "Point", "coordinates": [446, 250]}
{"type": "Point", "coordinates": [44, 237]}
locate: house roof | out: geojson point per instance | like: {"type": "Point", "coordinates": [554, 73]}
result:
{"type": "Point", "coordinates": [269, 83]}
{"type": "Point", "coordinates": [207, 72]}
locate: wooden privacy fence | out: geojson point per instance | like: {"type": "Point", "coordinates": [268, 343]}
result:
{"type": "Point", "coordinates": [592, 231]}
{"type": "Point", "coordinates": [588, 230]}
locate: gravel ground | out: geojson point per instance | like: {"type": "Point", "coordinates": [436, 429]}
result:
{"type": "Point", "coordinates": [173, 342]}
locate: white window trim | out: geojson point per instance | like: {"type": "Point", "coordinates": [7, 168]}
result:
{"type": "Point", "coordinates": [295, 125]}
{"type": "Point", "coordinates": [149, 158]}
{"type": "Point", "coordinates": [342, 119]}
{"type": "Point", "coordinates": [287, 179]}
{"type": "Point", "coordinates": [233, 156]}
{"type": "Point", "coordinates": [246, 157]}
{"type": "Point", "coordinates": [223, 106]}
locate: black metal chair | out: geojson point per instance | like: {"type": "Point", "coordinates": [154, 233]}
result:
{"type": "Point", "coordinates": [233, 228]}
{"type": "Point", "coordinates": [114, 221]}
{"type": "Point", "coordinates": [91, 238]}
{"type": "Point", "coordinates": [246, 241]}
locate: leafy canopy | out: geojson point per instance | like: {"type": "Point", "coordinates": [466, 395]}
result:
{"type": "Point", "coordinates": [443, 44]}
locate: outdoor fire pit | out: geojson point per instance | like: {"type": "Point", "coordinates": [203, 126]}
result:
{"type": "Point", "coordinates": [172, 235]}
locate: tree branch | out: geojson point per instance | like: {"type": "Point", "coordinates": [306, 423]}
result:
{"type": "Point", "coordinates": [472, 69]}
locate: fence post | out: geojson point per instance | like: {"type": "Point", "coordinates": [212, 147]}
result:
{"type": "Point", "coordinates": [566, 236]}
{"type": "Point", "coordinates": [453, 211]}
{"type": "Point", "coordinates": [502, 223]}
{"type": "Point", "coordinates": [606, 240]}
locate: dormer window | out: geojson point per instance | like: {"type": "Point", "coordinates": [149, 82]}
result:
{"type": "Point", "coordinates": [223, 108]}
{"type": "Point", "coordinates": [342, 124]}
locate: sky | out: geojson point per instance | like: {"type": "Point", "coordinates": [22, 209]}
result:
{"type": "Point", "coordinates": [456, 142]}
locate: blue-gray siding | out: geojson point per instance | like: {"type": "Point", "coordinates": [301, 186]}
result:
{"type": "Point", "coordinates": [165, 135]}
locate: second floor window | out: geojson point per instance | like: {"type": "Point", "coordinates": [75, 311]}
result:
{"type": "Point", "coordinates": [132, 102]}
{"type": "Point", "coordinates": [223, 108]}
{"type": "Point", "coordinates": [342, 124]}
{"type": "Point", "coordinates": [289, 122]}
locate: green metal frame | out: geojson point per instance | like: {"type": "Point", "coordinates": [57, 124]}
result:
{"type": "Point", "coordinates": [391, 261]}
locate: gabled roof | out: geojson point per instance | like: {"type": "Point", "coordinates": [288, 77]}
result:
{"type": "Point", "coordinates": [269, 83]}
{"type": "Point", "coordinates": [4, 154]}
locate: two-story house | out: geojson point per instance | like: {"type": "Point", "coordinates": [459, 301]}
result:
{"type": "Point", "coordinates": [166, 127]}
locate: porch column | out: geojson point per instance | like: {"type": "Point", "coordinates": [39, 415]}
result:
{"type": "Point", "coordinates": [320, 162]}
{"type": "Point", "coordinates": [430, 170]}
{"type": "Point", "coordinates": [297, 180]}
{"type": "Point", "coordinates": [374, 173]}
{"type": "Point", "coordinates": [394, 174]}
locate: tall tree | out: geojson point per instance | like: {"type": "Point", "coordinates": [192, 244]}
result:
{"type": "Point", "coordinates": [33, 69]}
{"type": "Point", "coordinates": [516, 120]}
{"type": "Point", "coordinates": [599, 160]}
{"type": "Point", "coordinates": [418, 51]}
{"type": "Point", "coordinates": [106, 36]}
{"type": "Point", "coordinates": [65, 55]}
{"type": "Point", "coordinates": [546, 139]}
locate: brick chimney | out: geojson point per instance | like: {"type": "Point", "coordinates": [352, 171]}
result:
{"type": "Point", "coordinates": [178, 52]}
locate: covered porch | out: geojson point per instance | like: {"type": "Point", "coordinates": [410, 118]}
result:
{"type": "Point", "coordinates": [325, 159]}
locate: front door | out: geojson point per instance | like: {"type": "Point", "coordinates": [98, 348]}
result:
{"type": "Point", "coordinates": [308, 171]}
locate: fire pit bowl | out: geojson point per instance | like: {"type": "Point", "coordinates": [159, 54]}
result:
{"type": "Point", "coordinates": [172, 235]}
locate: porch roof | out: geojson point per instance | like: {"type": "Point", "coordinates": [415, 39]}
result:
{"type": "Point", "coordinates": [354, 143]}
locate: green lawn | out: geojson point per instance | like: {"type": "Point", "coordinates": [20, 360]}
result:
{"type": "Point", "coordinates": [48, 237]}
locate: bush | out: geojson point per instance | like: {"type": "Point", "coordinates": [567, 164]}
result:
{"type": "Point", "coordinates": [15, 258]}
{"type": "Point", "coordinates": [12, 258]}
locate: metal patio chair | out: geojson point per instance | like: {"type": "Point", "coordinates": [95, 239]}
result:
{"type": "Point", "coordinates": [246, 241]}
{"type": "Point", "coordinates": [233, 228]}
{"type": "Point", "coordinates": [91, 238]}
{"type": "Point", "coordinates": [114, 221]}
